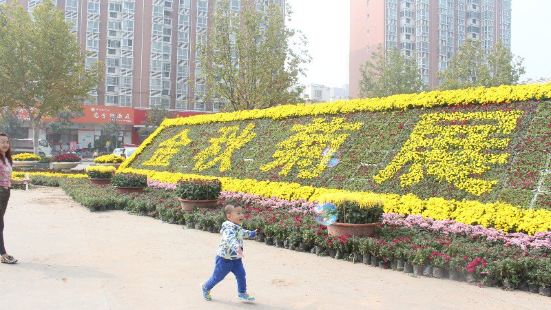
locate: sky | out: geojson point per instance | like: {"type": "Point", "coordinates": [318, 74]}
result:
{"type": "Point", "coordinates": [326, 25]}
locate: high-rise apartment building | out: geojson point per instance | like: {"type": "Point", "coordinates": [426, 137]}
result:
{"type": "Point", "coordinates": [430, 31]}
{"type": "Point", "coordinates": [149, 48]}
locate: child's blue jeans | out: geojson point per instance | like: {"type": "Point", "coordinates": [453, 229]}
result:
{"type": "Point", "coordinates": [222, 268]}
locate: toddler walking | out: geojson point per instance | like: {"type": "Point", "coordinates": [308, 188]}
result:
{"type": "Point", "coordinates": [230, 253]}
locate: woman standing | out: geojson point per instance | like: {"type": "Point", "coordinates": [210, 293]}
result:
{"type": "Point", "coordinates": [5, 185]}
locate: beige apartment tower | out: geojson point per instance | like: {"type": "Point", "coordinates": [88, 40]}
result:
{"type": "Point", "coordinates": [149, 48]}
{"type": "Point", "coordinates": [430, 31]}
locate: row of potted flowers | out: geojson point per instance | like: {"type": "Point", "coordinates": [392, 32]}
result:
{"type": "Point", "coordinates": [406, 249]}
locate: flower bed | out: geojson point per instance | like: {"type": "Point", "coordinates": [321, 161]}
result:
{"type": "Point", "coordinates": [66, 158]}
{"type": "Point", "coordinates": [100, 172]}
{"type": "Point", "coordinates": [109, 159]}
{"type": "Point", "coordinates": [474, 156]}
{"type": "Point", "coordinates": [447, 248]}
{"type": "Point", "coordinates": [26, 157]}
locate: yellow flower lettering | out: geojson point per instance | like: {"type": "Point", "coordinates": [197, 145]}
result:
{"type": "Point", "coordinates": [311, 147]}
{"type": "Point", "coordinates": [167, 149]}
{"type": "Point", "coordinates": [454, 147]}
{"type": "Point", "coordinates": [221, 149]}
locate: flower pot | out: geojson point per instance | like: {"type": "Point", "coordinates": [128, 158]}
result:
{"type": "Point", "coordinates": [286, 243]}
{"type": "Point", "coordinates": [331, 253]}
{"type": "Point", "coordinates": [60, 165]}
{"type": "Point", "coordinates": [339, 229]}
{"type": "Point", "coordinates": [24, 163]}
{"type": "Point", "coordinates": [418, 270]}
{"type": "Point", "coordinates": [545, 291]}
{"type": "Point", "coordinates": [427, 271]}
{"type": "Point", "coordinates": [102, 182]}
{"type": "Point", "coordinates": [400, 264]}
{"type": "Point", "coordinates": [455, 275]}
{"type": "Point", "coordinates": [470, 277]}
{"type": "Point", "coordinates": [438, 272]}
{"type": "Point", "coordinates": [269, 241]}
{"type": "Point", "coordinates": [197, 226]}
{"type": "Point", "coordinates": [408, 267]}
{"type": "Point", "coordinates": [129, 190]}
{"type": "Point", "coordinates": [508, 285]}
{"type": "Point", "coordinates": [318, 250]}
{"type": "Point", "coordinates": [374, 261]}
{"type": "Point", "coordinates": [366, 259]}
{"type": "Point", "coordinates": [393, 265]}
{"type": "Point", "coordinates": [260, 237]}
{"type": "Point", "coordinates": [384, 264]}
{"type": "Point", "coordinates": [303, 247]}
{"type": "Point", "coordinates": [190, 205]}
{"type": "Point", "coordinates": [533, 288]}
{"type": "Point", "coordinates": [279, 243]}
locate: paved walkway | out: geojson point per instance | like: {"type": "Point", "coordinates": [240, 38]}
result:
{"type": "Point", "coordinates": [71, 258]}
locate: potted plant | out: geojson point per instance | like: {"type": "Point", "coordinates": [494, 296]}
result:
{"type": "Point", "coordinates": [544, 278]}
{"type": "Point", "coordinates": [440, 264]}
{"type": "Point", "coordinates": [100, 175]}
{"type": "Point", "coordinates": [65, 161]}
{"type": "Point", "coordinates": [354, 220]}
{"type": "Point", "coordinates": [109, 160]}
{"type": "Point", "coordinates": [129, 182]}
{"type": "Point", "coordinates": [25, 160]}
{"type": "Point", "coordinates": [420, 259]}
{"type": "Point", "coordinates": [201, 194]}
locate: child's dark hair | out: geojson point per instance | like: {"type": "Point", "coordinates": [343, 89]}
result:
{"type": "Point", "coordinates": [8, 152]}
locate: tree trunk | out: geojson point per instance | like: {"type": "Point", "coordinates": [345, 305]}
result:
{"type": "Point", "coordinates": [36, 131]}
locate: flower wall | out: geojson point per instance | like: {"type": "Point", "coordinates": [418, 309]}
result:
{"type": "Point", "coordinates": [477, 156]}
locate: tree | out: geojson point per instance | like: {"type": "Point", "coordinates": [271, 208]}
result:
{"type": "Point", "coordinates": [389, 74]}
{"type": "Point", "coordinates": [42, 69]}
{"type": "Point", "coordinates": [471, 66]}
{"type": "Point", "coordinates": [10, 123]}
{"type": "Point", "coordinates": [247, 61]}
{"type": "Point", "coordinates": [155, 117]}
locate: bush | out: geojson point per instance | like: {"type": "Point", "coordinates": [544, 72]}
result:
{"type": "Point", "coordinates": [129, 180]}
{"type": "Point", "coordinates": [66, 158]}
{"type": "Point", "coordinates": [111, 158]}
{"type": "Point", "coordinates": [199, 189]}
{"type": "Point", "coordinates": [26, 157]}
{"type": "Point", "coordinates": [100, 172]}
{"type": "Point", "coordinates": [350, 212]}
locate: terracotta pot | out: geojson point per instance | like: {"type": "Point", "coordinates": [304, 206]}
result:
{"type": "Point", "coordinates": [102, 182]}
{"type": "Point", "coordinates": [129, 190]}
{"type": "Point", "coordinates": [59, 165]}
{"type": "Point", "coordinates": [190, 205]}
{"type": "Point", "coordinates": [339, 229]}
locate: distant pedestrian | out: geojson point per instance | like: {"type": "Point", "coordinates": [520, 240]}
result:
{"type": "Point", "coordinates": [5, 187]}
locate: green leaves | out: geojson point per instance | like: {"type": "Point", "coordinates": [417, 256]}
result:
{"type": "Point", "coordinates": [471, 66]}
{"type": "Point", "coordinates": [199, 189]}
{"type": "Point", "coordinates": [389, 74]}
{"type": "Point", "coordinates": [129, 180]}
{"type": "Point", "coordinates": [247, 61]}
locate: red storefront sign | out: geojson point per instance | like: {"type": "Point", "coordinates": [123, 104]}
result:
{"type": "Point", "coordinates": [105, 114]}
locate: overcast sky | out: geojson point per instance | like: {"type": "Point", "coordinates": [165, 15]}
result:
{"type": "Point", "coordinates": [326, 25]}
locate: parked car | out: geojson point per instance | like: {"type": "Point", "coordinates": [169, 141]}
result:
{"type": "Point", "coordinates": [119, 151]}
{"type": "Point", "coordinates": [129, 150]}
{"type": "Point", "coordinates": [26, 146]}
